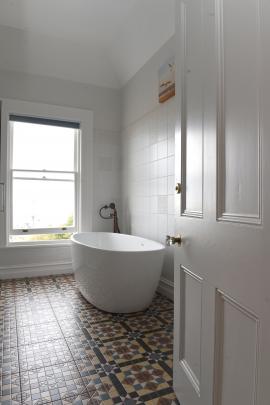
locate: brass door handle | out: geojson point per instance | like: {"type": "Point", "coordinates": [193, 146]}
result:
{"type": "Point", "coordinates": [173, 240]}
{"type": "Point", "coordinates": [178, 188]}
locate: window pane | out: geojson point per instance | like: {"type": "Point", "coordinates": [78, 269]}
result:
{"type": "Point", "coordinates": [43, 147]}
{"type": "Point", "coordinates": [42, 204]}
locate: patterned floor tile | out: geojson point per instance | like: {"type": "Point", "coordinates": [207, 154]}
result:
{"type": "Point", "coordinates": [44, 354]}
{"type": "Point", "coordinates": [63, 312]}
{"type": "Point", "coordinates": [60, 303]}
{"type": "Point", "coordinates": [145, 379]}
{"type": "Point", "coordinates": [93, 315]}
{"type": "Point", "coordinates": [144, 323]}
{"type": "Point", "coordinates": [56, 348]}
{"type": "Point", "coordinates": [161, 303]}
{"type": "Point", "coordinates": [163, 358]}
{"type": "Point", "coordinates": [70, 327]}
{"type": "Point", "coordinates": [80, 348]}
{"type": "Point", "coordinates": [107, 330]}
{"type": "Point", "coordinates": [10, 393]}
{"type": "Point", "coordinates": [9, 360]}
{"type": "Point", "coordinates": [87, 368]}
{"type": "Point", "coordinates": [31, 305]}
{"type": "Point", "coordinates": [168, 399]}
{"type": "Point", "coordinates": [29, 335]}
{"type": "Point", "coordinates": [102, 391]}
{"type": "Point", "coordinates": [166, 317]}
{"type": "Point", "coordinates": [35, 317]}
{"type": "Point", "coordinates": [169, 362]}
{"type": "Point", "coordinates": [8, 338]}
{"type": "Point", "coordinates": [87, 398]}
{"type": "Point", "coordinates": [97, 382]}
{"type": "Point", "coordinates": [121, 351]}
{"type": "Point", "coordinates": [8, 321]}
{"type": "Point", "coordinates": [49, 384]}
{"type": "Point", "coordinates": [160, 341]}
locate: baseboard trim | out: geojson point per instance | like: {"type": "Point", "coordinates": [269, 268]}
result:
{"type": "Point", "coordinates": [166, 287]}
{"type": "Point", "coordinates": [35, 270]}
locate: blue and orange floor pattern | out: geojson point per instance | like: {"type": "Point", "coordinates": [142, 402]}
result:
{"type": "Point", "coordinates": [56, 348]}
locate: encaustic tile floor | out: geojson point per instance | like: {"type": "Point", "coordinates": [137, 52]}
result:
{"type": "Point", "coordinates": [56, 348]}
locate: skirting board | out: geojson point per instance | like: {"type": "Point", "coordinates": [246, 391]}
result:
{"type": "Point", "coordinates": [41, 269]}
{"type": "Point", "coordinates": [166, 287]}
{"type": "Point", "coordinates": [35, 270]}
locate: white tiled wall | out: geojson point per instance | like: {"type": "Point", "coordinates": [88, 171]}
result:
{"type": "Point", "coordinates": [148, 177]}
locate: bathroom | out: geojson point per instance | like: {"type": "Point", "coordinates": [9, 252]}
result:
{"type": "Point", "coordinates": [132, 217]}
{"type": "Point", "coordinates": [94, 95]}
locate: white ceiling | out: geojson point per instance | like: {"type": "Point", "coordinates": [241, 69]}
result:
{"type": "Point", "coordinates": [102, 42]}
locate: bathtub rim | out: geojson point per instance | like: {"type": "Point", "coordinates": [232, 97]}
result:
{"type": "Point", "coordinates": [160, 246]}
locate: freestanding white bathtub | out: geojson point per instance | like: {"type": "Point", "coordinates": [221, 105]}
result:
{"type": "Point", "coordinates": [116, 272]}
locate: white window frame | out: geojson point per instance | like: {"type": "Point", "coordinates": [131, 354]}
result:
{"type": "Point", "coordinates": [84, 168]}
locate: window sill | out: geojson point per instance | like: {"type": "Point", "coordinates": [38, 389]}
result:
{"type": "Point", "coordinates": [46, 244]}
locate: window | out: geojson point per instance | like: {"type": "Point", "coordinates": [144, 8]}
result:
{"type": "Point", "coordinates": [43, 178]}
{"type": "Point", "coordinates": [46, 174]}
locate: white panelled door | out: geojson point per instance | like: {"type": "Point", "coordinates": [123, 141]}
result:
{"type": "Point", "coordinates": [222, 269]}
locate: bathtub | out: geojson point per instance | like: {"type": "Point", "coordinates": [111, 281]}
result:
{"type": "Point", "coordinates": [116, 272]}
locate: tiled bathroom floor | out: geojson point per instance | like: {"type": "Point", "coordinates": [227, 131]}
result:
{"type": "Point", "coordinates": [56, 348]}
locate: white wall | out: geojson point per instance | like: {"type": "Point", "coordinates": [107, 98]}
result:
{"type": "Point", "coordinates": [148, 156]}
{"type": "Point", "coordinates": [105, 104]}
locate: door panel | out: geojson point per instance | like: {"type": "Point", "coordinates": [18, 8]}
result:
{"type": "Point", "coordinates": [239, 111]}
{"type": "Point", "coordinates": [236, 352]}
{"type": "Point", "coordinates": [190, 328]}
{"type": "Point", "coordinates": [222, 277]}
{"type": "Point", "coordinates": [192, 110]}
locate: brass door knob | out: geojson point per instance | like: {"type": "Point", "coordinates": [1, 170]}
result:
{"type": "Point", "coordinates": [173, 240]}
{"type": "Point", "coordinates": [178, 188]}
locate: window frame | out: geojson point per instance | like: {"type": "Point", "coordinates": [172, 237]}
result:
{"type": "Point", "coordinates": [83, 174]}
{"type": "Point", "coordinates": [36, 231]}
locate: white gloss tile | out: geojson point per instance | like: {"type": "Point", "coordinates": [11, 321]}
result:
{"type": "Point", "coordinates": [171, 185]}
{"type": "Point", "coordinates": [171, 146]}
{"type": "Point", "coordinates": [171, 224]}
{"type": "Point", "coordinates": [170, 165]}
{"type": "Point", "coordinates": [153, 152]}
{"type": "Point", "coordinates": [162, 186]}
{"type": "Point", "coordinates": [162, 204]}
{"type": "Point", "coordinates": [162, 167]}
{"type": "Point", "coordinates": [171, 207]}
{"type": "Point", "coordinates": [162, 227]}
{"type": "Point", "coordinates": [153, 127]}
{"type": "Point", "coordinates": [153, 170]}
{"type": "Point", "coordinates": [153, 186]}
{"type": "Point", "coordinates": [153, 227]}
{"type": "Point", "coordinates": [154, 204]}
{"type": "Point", "coordinates": [162, 148]}
{"type": "Point", "coordinates": [162, 122]}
